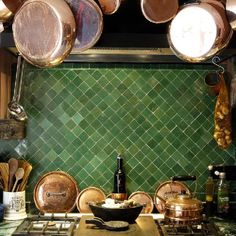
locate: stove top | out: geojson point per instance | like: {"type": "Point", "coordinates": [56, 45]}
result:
{"type": "Point", "coordinates": [205, 228]}
{"type": "Point", "coordinates": [66, 226]}
{"type": "Point", "coordinates": [41, 225]}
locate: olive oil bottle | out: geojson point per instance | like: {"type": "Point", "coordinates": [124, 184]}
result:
{"type": "Point", "coordinates": [222, 196]}
{"type": "Point", "coordinates": [209, 193]}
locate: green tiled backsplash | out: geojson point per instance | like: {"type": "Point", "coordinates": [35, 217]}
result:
{"type": "Point", "coordinates": [160, 117]}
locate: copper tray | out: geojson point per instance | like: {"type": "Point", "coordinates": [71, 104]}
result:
{"type": "Point", "coordinates": [166, 190]}
{"type": "Point", "coordinates": [90, 194]}
{"type": "Point", "coordinates": [144, 199]}
{"type": "Point", "coordinates": [56, 191]}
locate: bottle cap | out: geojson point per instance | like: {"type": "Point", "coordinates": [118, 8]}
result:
{"type": "Point", "coordinates": [210, 167]}
{"type": "Point", "coordinates": [222, 175]}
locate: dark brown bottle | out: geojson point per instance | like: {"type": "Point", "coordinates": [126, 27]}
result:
{"type": "Point", "coordinates": [119, 177]}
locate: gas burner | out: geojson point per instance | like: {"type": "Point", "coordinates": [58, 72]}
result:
{"type": "Point", "coordinates": [47, 225]}
{"type": "Point", "coordinates": [205, 228]}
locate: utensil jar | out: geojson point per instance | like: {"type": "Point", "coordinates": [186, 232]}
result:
{"type": "Point", "coordinates": [14, 203]}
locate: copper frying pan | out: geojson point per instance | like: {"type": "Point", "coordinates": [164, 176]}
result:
{"type": "Point", "coordinates": [44, 31]}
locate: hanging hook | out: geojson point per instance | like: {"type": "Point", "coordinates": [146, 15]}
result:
{"type": "Point", "coordinates": [215, 61]}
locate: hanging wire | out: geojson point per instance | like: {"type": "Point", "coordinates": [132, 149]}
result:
{"type": "Point", "coordinates": [215, 61]}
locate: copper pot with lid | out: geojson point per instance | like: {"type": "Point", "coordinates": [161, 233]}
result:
{"type": "Point", "coordinates": [183, 208]}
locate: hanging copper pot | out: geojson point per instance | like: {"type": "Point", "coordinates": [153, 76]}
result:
{"type": "Point", "coordinates": [199, 30]}
{"type": "Point", "coordinates": [231, 13]}
{"type": "Point", "coordinates": [159, 11]}
{"type": "Point", "coordinates": [8, 8]}
{"type": "Point", "coordinates": [109, 7]}
{"type": "Point", "coordinates": [44, 31]}
{"type": "Point", "coordinates": [89, 23]}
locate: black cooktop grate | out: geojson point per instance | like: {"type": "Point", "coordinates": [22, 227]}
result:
{"type": "Point", "coordinates": [54, 226]}
{"type": "Point", "coordinates": [201, 229]}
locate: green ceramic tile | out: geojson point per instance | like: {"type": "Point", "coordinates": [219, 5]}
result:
{"type": "Point", "coordinates": [82, 115]}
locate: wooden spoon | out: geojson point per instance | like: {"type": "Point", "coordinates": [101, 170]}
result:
{"type": "Point", "coordinates": [4, 170]}
{"type": "Point", "coordinates": [28, 169]}
{"type": "Point", "coordinates": [13, 166]}
{"type": "Point", "coordinates": [19, 175]}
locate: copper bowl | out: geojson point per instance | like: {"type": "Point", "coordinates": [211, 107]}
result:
{"type": "Point", "coordinates": [128, 214]}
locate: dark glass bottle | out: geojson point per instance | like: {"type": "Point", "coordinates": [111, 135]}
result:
{"type": "Point", "coordinates": [119, 177]}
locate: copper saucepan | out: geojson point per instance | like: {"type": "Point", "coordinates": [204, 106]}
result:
{"type": "Point", "coordinates": [89, 23]}
{"type": "Point", "coordinates": [8, 8]}
{"type": "Point", "coordinates": [44, 31]}
{"type": "Point", "coordinates": [231, 13]}
{"type": "Point", "coordinates": [109, 7]}
{"type": "Point", "coordinates": [199, 30]}
{"type": "Point", "coordinates": [159, 11]}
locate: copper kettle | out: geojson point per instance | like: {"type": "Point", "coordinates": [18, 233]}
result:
{"type": "Point", "coordinates": [183, 208]}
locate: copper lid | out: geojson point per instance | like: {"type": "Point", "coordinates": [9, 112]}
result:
{"type": "Point", "coordinates": [90, 194]}
{"type": "Point", "coordinates": [55, 191]}
{"type": "Point", "coordinates": [183, 202]}
{"type": "Point", "coordinates": [144, 199]}
{"type": "Point", "coordinates": [168, 190]}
